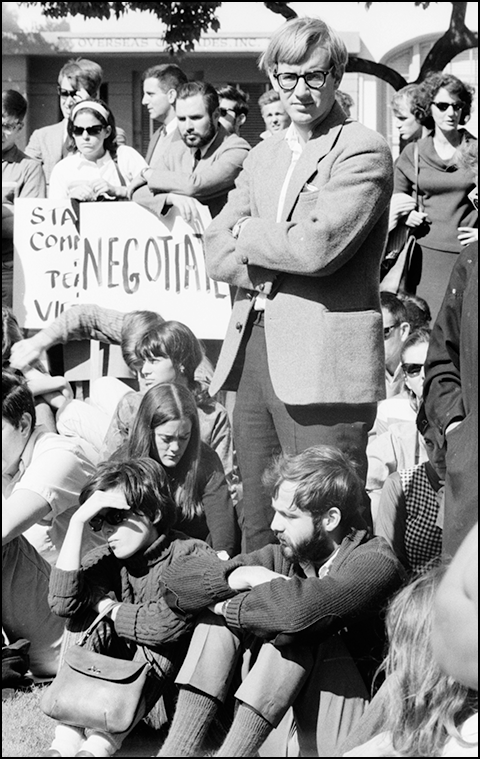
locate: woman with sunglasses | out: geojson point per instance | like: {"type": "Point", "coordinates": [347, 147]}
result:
{"type": "Point", "coordinates": [398, 444]}
{"type": "Point", "coordinates": [167, 429]}
{"type": "Point", "coordinates": [99, 168]}
{"type": "Point", "coordinates": [129, 504]}
{"type": "Point", "coordinates": [443, 218]}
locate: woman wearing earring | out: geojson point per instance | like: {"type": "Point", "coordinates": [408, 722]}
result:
{"type": "Point", "coordinates": [444, 217]}
{"type": "Point", "coordinates": [98, 168]}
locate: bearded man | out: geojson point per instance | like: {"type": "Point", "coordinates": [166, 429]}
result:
{"type": "Point", "coordinates": [302, 616]}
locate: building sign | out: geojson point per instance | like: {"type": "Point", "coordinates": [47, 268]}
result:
{"type": "Point", "coordinates": [117, 255]}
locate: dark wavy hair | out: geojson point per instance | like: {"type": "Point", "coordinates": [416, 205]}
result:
{"type": "Point", "coordinates": [110, 142]}
{"type": "Point", "coordinates": [206, 90]}
{"type": "Point", "coordinates": [164, 403]}
{"type": "Point", "coordinates": [429, 88]}
{"type": "Point", "coordinates": [17, 398]}
{"type": "Point", "coordinates": [144, 484]}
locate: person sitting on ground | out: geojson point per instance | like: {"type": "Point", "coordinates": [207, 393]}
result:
{"type": "Point", "coordinates": [395, 331]}
{"type": "Point", "coordinates": [404, 406]}
{"type": "Point", "coordinates": [419, 711]}
{"type": "Point", "coordinates": [22, 177]}
{"type": "Point", "coordinates": [167, 429]}
{"type": "Point", "coordinates": [93, 322]}
{"type": "Point", "coordinates": [42, 474]}
{"type": "Point", "coordinates": [410, 511]}
{"type": "Point", "coordinates": [273, 113]}
{"type": "Point", "coordinates": [418, 310]}
{"type": "Point", "coordinates": [49, 392]}
{"type": "Point", "coordinates": [170, 352]}
{"type": "Point", "coordinates": [129, 503]}
{"type": "Point", "coordinates": [398, 443]}
{"type": "Point", "coordinates": [308, 605]}
{"type": "Point", "coordinates": [455, 618]}
{"type": "Point", "coordinates": [98, 168]}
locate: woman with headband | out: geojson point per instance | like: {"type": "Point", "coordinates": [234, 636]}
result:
{"type": "Point", "coordinates": [99, 168]}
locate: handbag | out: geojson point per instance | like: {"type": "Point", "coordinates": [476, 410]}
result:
{"type": "Point", "coordinates": [401, 264]}
{"type": "Point", "coordinates": [96, 691]}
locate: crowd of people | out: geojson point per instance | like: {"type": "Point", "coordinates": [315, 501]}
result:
{"type": "Point", "coordinates": [285, 528]}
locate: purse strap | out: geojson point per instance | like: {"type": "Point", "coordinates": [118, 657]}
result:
{"type": "Point", "coordinates": [416, 166]}
{"type": "Point", "coordinates": [120, 175]}
{"type": "Point", "coordinates": [95, 622]}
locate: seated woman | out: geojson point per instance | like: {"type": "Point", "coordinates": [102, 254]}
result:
{"type": "Point", "coordinates": [98, 169]}
{"type": "Point", "coordinates": [170, 352]}
{"type": "Point", "coordinates": [410, 513]}
{"type": "Point", "coordinates": [130, 504]}
{"type": "Point", "coordinates": [398, 444]}
{"type": "Point", "coordinates": [42, 474]}
{"type": "Point", "coordinates": [167, 429]}
{"type": "Point", "coordinates": [50, 393]}
{"type": "Point", "coordinates": [419, 710]}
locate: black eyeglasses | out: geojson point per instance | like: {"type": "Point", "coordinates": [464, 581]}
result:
{"type": "Point", "coordinates": [112, 516]}
{"type": "Point", "coordinates": [314, 79]}
{"type": "Point", "coordinates": [445, 106]}
{"type": "Point", "coordinates": [67, 93]}
{"type": "Point", "coordinates": [412, 370]}
{"type": "Point", "coordinates": [91, 130]}
{"type": "Point", "coordinates": [224, 111]}
{"type": "Point", "coordinates": [387, 331]}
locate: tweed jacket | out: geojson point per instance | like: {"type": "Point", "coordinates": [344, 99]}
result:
{"type": "Point", "coordinates": [46, 145]}
{"type": "Point", "coordinates": [166, 144]}
{"type": "Point", "coordinates": [319, 265]}
{"type": "Point", "coordinates": [211, 180]}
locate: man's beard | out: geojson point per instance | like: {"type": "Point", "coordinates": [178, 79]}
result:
{"type": "Point", "coordinates": [200, 141]}
{"type": "Point", "coordinates": [315, 550]}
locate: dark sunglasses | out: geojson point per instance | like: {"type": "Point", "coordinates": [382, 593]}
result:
{"type": "Point", "coordinates": [445, 106]}
{"type": "Point", "coordinates": [412, 370]}
{"type": "Point", "coordinates": [67, 93]}
{"type": "Point", "coordinates": [112, 516]}
{"type": "Point", "coordinates": [91, 130]}
{"type": "Point", "coordinates": [224, 111]}
{"type": "Point", "coordinates": [387, 331]}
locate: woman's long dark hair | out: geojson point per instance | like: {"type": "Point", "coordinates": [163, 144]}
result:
{"type": "Point", "coordinates": [161, 404]}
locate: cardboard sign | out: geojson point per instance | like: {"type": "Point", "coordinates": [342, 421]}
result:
{"type": "Point", "coordinates": [117, 255]}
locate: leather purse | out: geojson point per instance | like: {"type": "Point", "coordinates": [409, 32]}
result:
{"type": "Point", "coordinates": [96, 691]}
{"type": "Point", "coordinates": [402, 256]}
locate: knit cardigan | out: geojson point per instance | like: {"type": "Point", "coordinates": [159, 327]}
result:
{"type": "Point", "coordinates": [363, 574]}
{"type": "Point", "coordinates": [143, 616]}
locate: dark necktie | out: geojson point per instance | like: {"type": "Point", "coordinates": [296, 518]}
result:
{"type": "Point", "coordinates": [196, 157]}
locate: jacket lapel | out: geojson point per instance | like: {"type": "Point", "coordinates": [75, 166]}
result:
{"type": "Point", "coordinates": [316, 148]}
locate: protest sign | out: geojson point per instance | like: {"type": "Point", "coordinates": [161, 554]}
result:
{"type": "Point", "coordinates": [117, 255]}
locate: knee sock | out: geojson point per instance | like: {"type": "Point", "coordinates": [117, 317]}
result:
{"type": "Point", "coordinates": [100, 744]}
{"type": "Point", "coordinates": [249, 730]}
{"type": "Point", "coordinates": [193, 715]}
{"type": "Point", "coordinates": [68, 739]}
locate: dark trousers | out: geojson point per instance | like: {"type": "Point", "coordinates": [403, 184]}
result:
{"type": "Point", "coordinates": [263, 426]}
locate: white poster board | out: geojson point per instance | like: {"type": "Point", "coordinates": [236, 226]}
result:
{"type": "Point", "coordinates": [117, 255]}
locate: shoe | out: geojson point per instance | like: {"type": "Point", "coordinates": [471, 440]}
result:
{"type": "Point", "coordinates": [51, 752]}
{"type": "Point", "coordinates": [84, 753]}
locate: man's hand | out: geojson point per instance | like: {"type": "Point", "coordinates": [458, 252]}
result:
{"type": "Point", "coordinates": [135, 184]}
{"type": "Point", "coordinates": [25, 352]}
{"type": "Point", "coordinates": [185, 205]}
{"type": "Point", "coordinates": [467, 235]}
{"type": "Point", "coordinates": [246, 578]}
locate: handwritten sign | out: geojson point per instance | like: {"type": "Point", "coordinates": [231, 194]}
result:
{"type": "Point", "coordinates": [117, 255]}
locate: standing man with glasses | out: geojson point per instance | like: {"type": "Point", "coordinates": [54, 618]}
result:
{"type": "Point", "coordinates": [78, 80]}
{"type": "Point", "coordinates": [301, 237]}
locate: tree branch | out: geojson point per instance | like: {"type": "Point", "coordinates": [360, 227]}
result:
{"type": "Point", "coordinates": [364, 66]}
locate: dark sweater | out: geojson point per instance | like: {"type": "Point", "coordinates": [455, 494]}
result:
{"type": "Point", "coordinates": [363, 575]}
{"type": "Point", "coordinates": [143, 616]}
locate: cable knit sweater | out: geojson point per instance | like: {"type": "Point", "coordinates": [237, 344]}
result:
{"type": "Point", "coordinates": [144, 616]}
{"type": "Point", "coordinates": [363, 574]}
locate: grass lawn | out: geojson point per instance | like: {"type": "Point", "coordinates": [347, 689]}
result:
{"type": "Point", "coordinates": [26, 731]}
